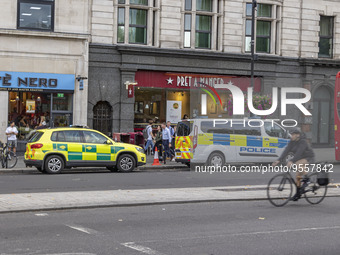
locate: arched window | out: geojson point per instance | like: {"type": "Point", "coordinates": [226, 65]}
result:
{"type": "Point", "coordinates": [102, 117]}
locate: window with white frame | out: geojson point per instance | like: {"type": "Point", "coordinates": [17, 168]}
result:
{"type": "Point", "coordinates": [266, 28]}
{"type": "Point", "coordinates": [201, 24]}
{"type": "Point", "coordinates": [136, 20]}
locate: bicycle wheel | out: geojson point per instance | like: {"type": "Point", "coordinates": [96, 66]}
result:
{"type": "Point", "coordinates": [11, 159]}
{"type": "Point", "coordinates": [314, 193]}
{"type": "Point", "coordinates": [279, 190]}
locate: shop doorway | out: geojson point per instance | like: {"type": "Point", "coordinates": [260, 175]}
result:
{"type": "Point", "coordinates": [102, 117]}
{"type": "Point", "coordinates": [321, 116]}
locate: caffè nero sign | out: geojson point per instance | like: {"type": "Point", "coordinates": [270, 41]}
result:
{"type": "Point", "coordinates": [20, 81]}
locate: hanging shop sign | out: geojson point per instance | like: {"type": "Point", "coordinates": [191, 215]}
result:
{"type": "Point", "coordinates": [192, 81]}
{"type": "Point", "coordinates": [20, 81]}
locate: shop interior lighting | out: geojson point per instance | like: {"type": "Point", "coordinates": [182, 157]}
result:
{"type": "Point", "coordinates": [204, 104]}
{"type": "Point", "coordinates": [26, 14]}
{"type": "Point", "coordinates": [146, 106]}
{"type": "Point", "coordinates": [44, 21]}
{"type": "Point", "coordinates": [35, 8]}
{"type": "Point", "coordinates": [21, 19]}
{"type": "Point", "coordinates": [38, 99]}
{"type": "Point", "coordinates": [17, 98]}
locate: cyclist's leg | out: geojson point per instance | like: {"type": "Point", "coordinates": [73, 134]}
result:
{"type": "Point", "coordinates": [301, 170]}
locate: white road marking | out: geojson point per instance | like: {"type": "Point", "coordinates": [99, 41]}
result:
{"type": "Point", "coordinates": [58, 254]}
{"type": "Point", "coordinates": [142, 249]}
{"type": "Point", "coordinates": [41, 214]}
{"type": "Point", "coordinates": [244, 234]}
{"type": "Point", "coordinates": [286, 231]}
{"type": "Point", "coordinates": [82, 229]}
{"type": "Point", "coordinates": [71, 254]}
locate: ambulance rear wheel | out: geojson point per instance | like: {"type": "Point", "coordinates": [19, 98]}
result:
{"type": "Point", "coordinates": [126, 163]}
{"type": "Point", "coordinates": [54, 164]}
{"type": "Point", "coordinates": [216, 159]}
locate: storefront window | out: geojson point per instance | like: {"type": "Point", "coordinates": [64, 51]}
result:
{"type": "Point", "coordinates": [32, 110]}
{"type": "Point", "coordinates": [62, 102]}
{"type": "Point", "coordinates": [151, 103]}
{"type": "Point", "coordinates": [29, 111]}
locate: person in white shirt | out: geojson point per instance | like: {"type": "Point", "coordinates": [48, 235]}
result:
{"type": "Point", "coordinates": [149, 141]}
{"type": "Point", "coordinates": [12, 133]}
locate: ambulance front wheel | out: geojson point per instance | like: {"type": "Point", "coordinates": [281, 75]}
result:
{"type": "Point", "coordinates": [216, 159]}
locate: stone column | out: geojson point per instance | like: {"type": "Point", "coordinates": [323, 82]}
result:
{"type": "Point", "coordinates": [126, 105]}
{"type": "Point", "coordinates": [4, 115]}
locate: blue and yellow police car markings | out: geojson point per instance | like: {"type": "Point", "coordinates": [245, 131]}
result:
{"type": "Point", "coordinates": [238, 140]}
{"type": "Point", "coordinates": [221, 139]}
{"type": "Point", "coordinates": [205, 139]}
{"type": "Point", "coordinates": [282, 142]}
{"type": "Point", "coordinates": [254, 141]}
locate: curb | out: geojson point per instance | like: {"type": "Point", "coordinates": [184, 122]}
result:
{"type": "Point", "coordinates": [139, 169]}
{"type": "Point", "coordinates": [139, 204]}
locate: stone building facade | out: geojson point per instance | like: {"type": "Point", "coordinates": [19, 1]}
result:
{"type": "Point", "coordinates": [297, 44]}
{"type": "Point", "coordinates": [43, 48]}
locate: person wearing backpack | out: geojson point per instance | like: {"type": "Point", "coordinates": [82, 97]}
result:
{"type": "Point", "coordinates": [303, 155]}
{"type": "Point", "coordinates": [147, 133]}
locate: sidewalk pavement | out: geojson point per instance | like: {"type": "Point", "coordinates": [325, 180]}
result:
{"type": "Point", "coordinates": [114, 198]}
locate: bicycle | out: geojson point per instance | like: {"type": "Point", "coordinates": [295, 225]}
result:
{"type": "Point", "coordinates": [8, 158]}
{"type": "Point", "coordinates": [280, 189]}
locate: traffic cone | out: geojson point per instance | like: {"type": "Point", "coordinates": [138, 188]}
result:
{"type": "Point", "coordinates": [155, 158]}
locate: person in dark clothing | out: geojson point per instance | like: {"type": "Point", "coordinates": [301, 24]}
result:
{"type": "Point", "coordinates": [303, 155]}
{"type": "Point", "coordinates": [158, 142]}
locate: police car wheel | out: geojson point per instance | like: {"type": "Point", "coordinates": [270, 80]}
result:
{"type": "Point", "coordinates": [54, 164]}
{"type": "Point", "coordinates": [112, 168]}
{"type": "Point", "coordinates": [126, 163]}
{"type": "Point", "coordinates": [215, 159]}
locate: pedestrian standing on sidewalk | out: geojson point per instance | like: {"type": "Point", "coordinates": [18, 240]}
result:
{"type": "Point", "coordinates": [173, 147]}
{"type": "Point", "coordinates": [150, 137]}
{"type": "Point", "coordinates": [12, 133]}
{"type": "Point", "coordinates": [172, 133]}
{"type": "Point", "coordinates": [166, 140]}
{"type": "Point", "coordinates": [158, 141]}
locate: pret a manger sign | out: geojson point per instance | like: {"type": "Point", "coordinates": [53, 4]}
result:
{"type": "Point", "coordinates": [238, 100]}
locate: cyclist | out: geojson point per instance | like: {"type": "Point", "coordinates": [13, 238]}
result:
{"type": "Point", "coordinates": [303, 155]}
